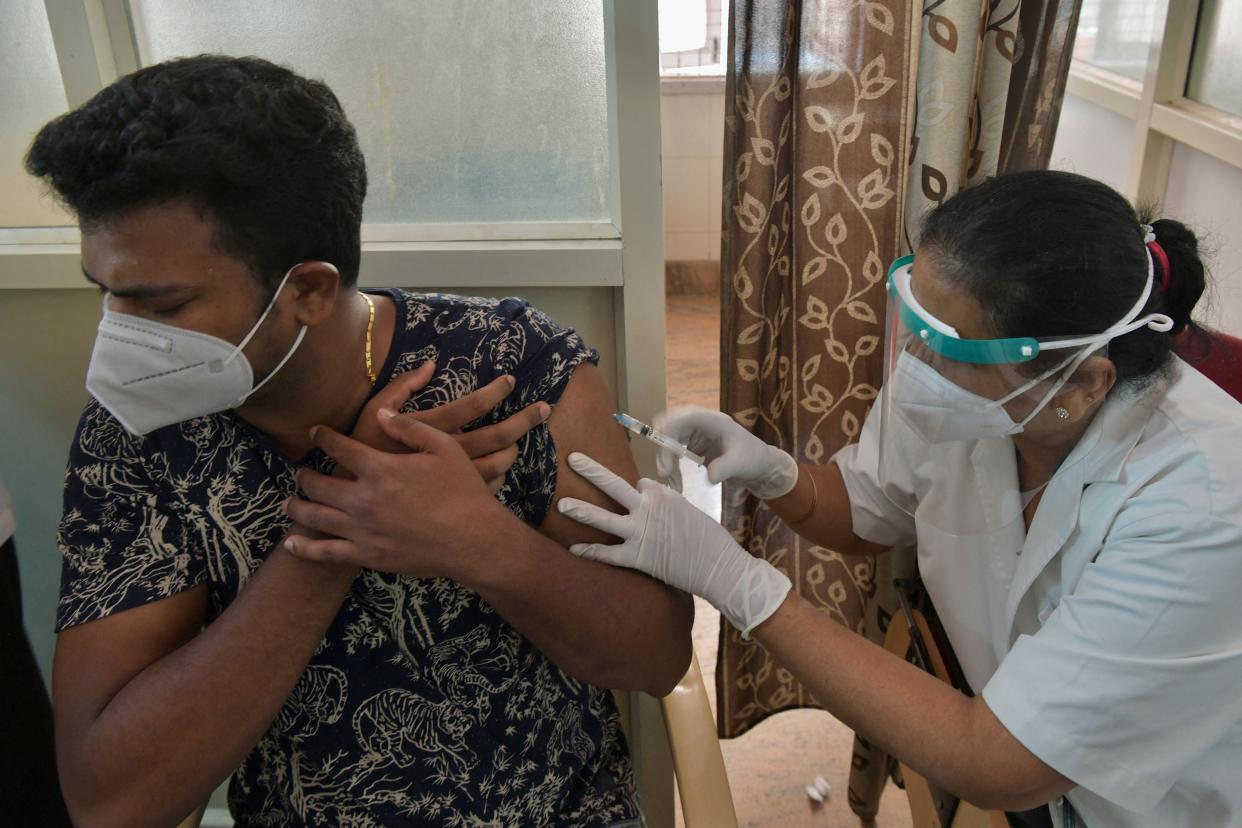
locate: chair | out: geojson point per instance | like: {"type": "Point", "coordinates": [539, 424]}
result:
{"type": "Point", "coordinates": [1216, 355]}
{"type": "Point", "coordinates": [925, 803]}
{"type": "Point", "coordinates": [698, 764]}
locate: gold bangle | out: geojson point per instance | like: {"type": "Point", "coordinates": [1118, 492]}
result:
{"type": "Point", "coordinates": [814, 501]}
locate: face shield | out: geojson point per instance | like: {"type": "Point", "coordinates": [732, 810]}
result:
{"type": "Point", "coordinates": [951, 403]}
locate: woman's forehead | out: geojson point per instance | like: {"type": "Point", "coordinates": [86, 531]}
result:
{"type": "Point", "coordinates": [945, 300]}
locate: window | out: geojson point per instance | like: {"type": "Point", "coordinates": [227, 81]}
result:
{"type": "Point", "coordinates": [489, 111]}
{"type": "Point", "coordinates": [694, 35]}
{"type": "Point", "coordinates": [1216, 70]}
{"type": "Point", "coordinates": [495, 131]}
{"type": "Point", "coordinates": [31, 95]}
{"type": "Point", "coordinates": [1116, 35]}
{"type": "Point", "coordinates": [1183, 88]}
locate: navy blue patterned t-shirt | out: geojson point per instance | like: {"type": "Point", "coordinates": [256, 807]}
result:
{"type": "Point", "coordinates": [421, 705]}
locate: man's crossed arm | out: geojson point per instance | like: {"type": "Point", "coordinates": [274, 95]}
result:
{"type": "Point", "coordinates": [609, 627]}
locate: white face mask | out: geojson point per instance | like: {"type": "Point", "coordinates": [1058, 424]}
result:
{"type": "Point", "coordinates": [939, 410]}
{"type": "Point", "coordinates": [151, 375]}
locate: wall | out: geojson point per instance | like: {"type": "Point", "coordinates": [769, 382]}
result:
{"type": "Point", "coordinates": [692, 138]}
{"type": "Point", "coordinates": [46, 337]}
{"type": "Point", "coordinates": [1094, 141]}
{"type": "Point", "coordinates": [1202, 192]}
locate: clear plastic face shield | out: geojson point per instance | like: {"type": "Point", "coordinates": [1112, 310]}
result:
{"type": "Point", "coordinates": [950, 403]}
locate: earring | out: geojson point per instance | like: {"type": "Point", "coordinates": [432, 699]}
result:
{"type": "Point", "coordinates": [1062, 412]}
{"type": "Point", "coordinates": [1090, 399]}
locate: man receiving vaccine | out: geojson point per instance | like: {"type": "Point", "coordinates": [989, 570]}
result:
{"type": "Point", "coordinates": [363, 616]}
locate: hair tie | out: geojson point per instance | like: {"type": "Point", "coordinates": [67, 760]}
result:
{"type": "Point", "coordinates": [1154, 249]}
{"type": "Point", "coordinates": [1163, 258]}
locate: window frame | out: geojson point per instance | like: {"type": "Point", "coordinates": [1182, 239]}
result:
{"type": "Point", "coordinates": [96, 42]}
{"type": "Point", "coordinates": [1162, 114]}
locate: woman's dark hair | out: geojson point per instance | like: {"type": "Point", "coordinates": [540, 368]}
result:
{"type": "Point", "coordinates": [1052, 253]}
{"type": "Point", "coordinates": [266, 155]}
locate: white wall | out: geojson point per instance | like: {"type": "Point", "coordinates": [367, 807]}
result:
{"type": "Point", "coordinates": [1207, 194]}
{"type": "Point", "coordinates": [1202, 192]}
{"type": "Point", "coordinates": [1093, 141]}
{"type": "Point", "coordinates": [692, 138]}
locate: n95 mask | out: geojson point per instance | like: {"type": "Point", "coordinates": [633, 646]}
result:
{"type": "Point", "coordinates": [939, 410]}
{"type": "Point", "coordinates": [150, 375]}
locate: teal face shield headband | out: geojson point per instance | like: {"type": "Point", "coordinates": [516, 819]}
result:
{"type": "Point", "coordinates": [944, 340]}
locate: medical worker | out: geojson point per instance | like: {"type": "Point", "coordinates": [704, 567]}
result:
{"type": "Point", "coordinates": [1074, 491]}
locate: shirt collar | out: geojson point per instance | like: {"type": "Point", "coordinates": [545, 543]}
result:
{"type": "Point", "coordinates": [1109, 439]}
{"type": "Point", "coordinates": [1099, 457]}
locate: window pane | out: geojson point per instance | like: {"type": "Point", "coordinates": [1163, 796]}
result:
{"type": "Point", "coordinates": [31, 95]}
{"type": "Point", "coordinates": [693, 37]}
{"type": "Point", "coordinates": [683, 25]}
{"type": "Point", "coordinates": [1216, 72]}
{"type": "Point", "coordinates": [487, 111]}
{"type": "Point", "coordinates": [1116, 35]}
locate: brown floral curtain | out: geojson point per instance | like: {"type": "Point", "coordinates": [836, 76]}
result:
{"type": "Point", "coordinates": [845, 121]}
{"type": "Point", "coordinates": [816, 124]}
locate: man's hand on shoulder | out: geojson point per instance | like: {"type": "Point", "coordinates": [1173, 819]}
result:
{"type": "Point", "coordinates": [426, 513]}
{"type": "Point", "coordinates": [492, 448]}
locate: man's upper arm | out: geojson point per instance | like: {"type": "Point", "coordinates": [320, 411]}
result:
{"type": "Point", "coordinates": [95, 660]}
{"type": "Point", "coordinates": [582, 421]}
{"type": "Point", "coordinates": [130, 593]}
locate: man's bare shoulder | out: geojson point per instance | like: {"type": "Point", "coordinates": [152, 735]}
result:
{"type": "Point", "coordinates": [582, 421]}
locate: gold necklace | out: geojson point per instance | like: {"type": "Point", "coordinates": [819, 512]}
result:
{"type": "Point", "coordinates": [370, 325]}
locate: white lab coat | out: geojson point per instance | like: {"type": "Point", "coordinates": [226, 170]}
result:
{"type": "Point", "coordinates": [1108, 638]}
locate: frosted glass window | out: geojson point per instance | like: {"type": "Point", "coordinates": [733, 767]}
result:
{"type": "Point", "coordinates": [481, 111]}
{"type": "Point", "coordinates": [1116, 35]}
{"type": "Point", "coordinates": [1216, 72]}
{"type": "Point", "coordinates": [31, 95]}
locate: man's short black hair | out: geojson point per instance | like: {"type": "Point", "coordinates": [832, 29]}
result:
{"type": "Point", "coordinates": [266, 155]}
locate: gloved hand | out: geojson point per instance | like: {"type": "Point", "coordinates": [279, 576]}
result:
{"type": "Point", "coordinates": [732, 452]}
{"type": "Point", "coordinates": [665, 536]}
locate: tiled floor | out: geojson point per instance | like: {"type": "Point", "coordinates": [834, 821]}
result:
{"type": "Point", "coordinates": [770, 766]}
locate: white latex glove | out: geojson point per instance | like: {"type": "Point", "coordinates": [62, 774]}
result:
{"type": "Point", "coordinates": [667, 537]}
{"type": "Point", "coordinates": [732, 452]}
